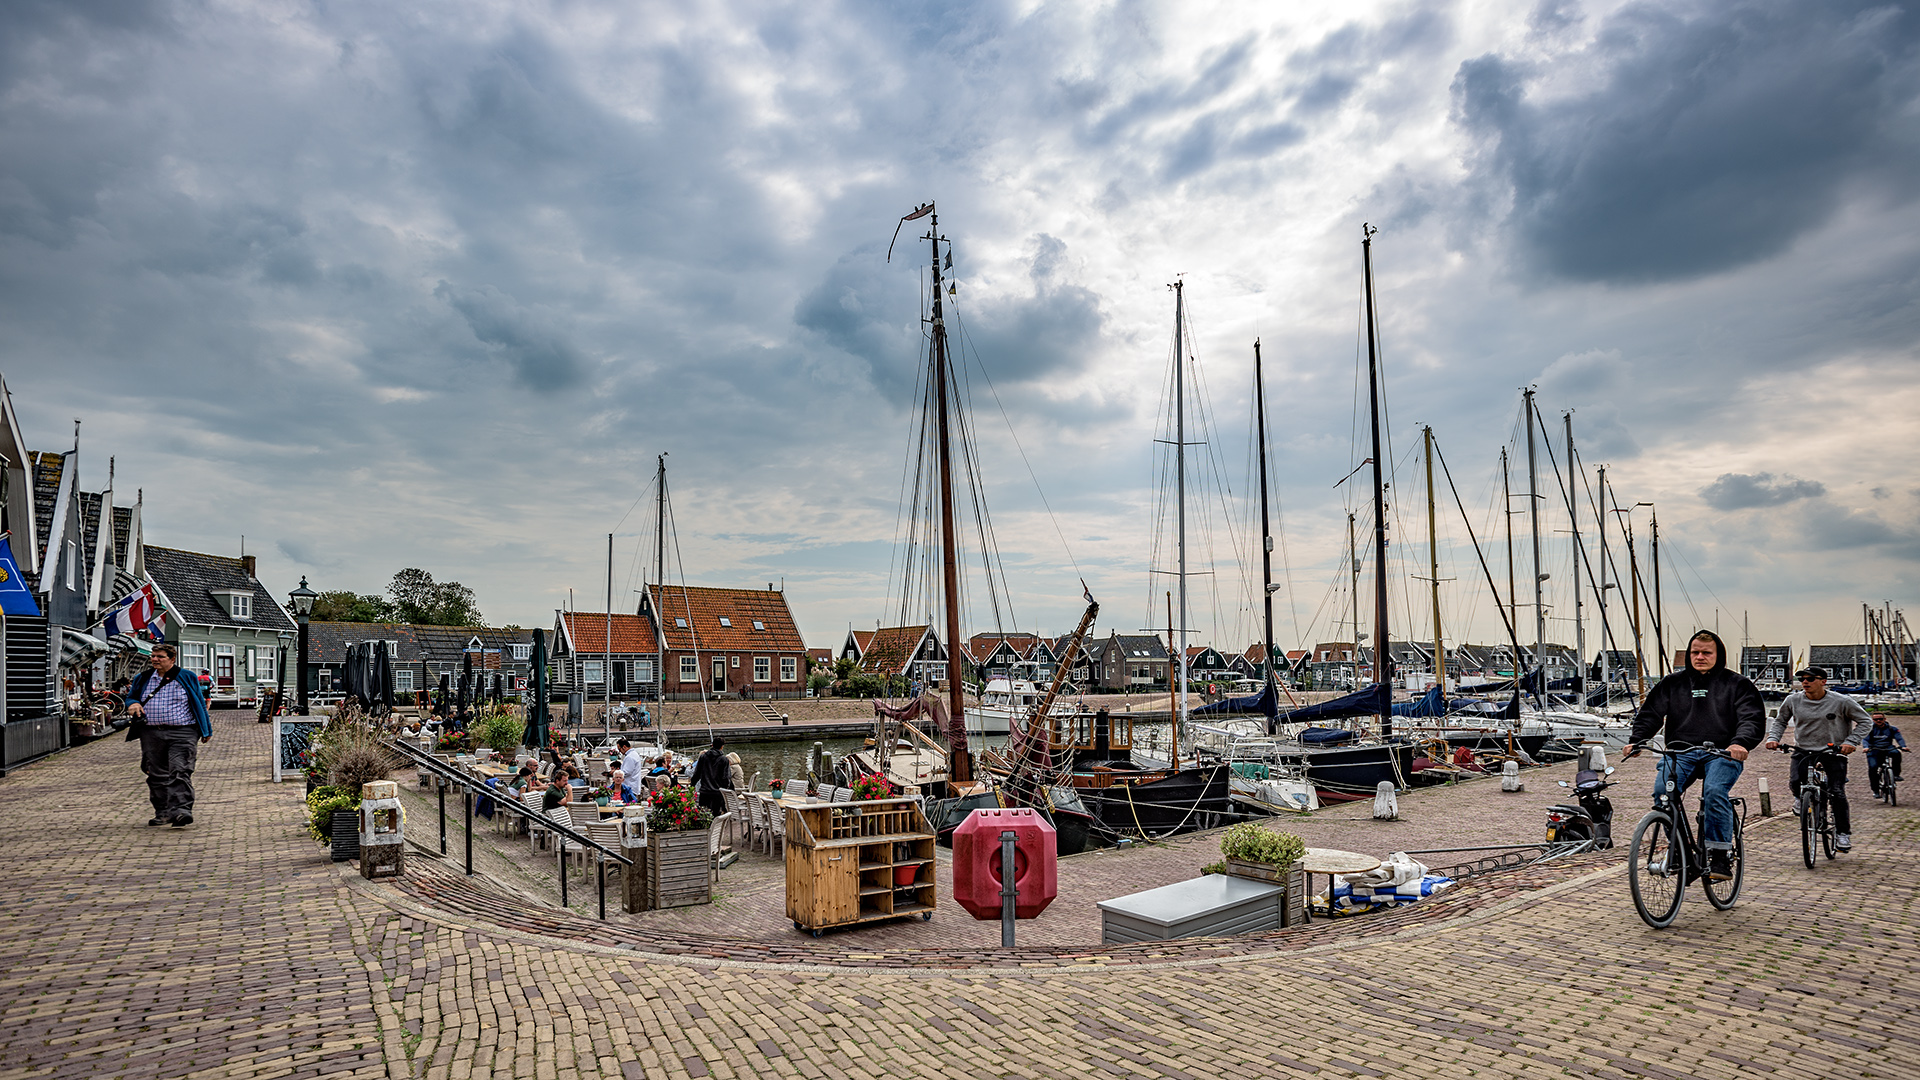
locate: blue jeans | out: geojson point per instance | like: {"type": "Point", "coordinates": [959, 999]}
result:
{"type": "Point", "coordinates": [1716, 802]}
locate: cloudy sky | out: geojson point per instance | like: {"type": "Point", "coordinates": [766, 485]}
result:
{"type": "Point", "coordinates": [433, 284]}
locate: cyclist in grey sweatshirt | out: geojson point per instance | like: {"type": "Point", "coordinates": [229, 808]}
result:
{"type": "Point", "coordinates": [1821, 717]}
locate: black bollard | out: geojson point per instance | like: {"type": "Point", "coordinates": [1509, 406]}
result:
{"type": "Point", "coordinates": [1009, 889]}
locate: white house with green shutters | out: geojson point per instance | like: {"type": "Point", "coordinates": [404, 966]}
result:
{"type": "Point", "coordinates": [224, 621]}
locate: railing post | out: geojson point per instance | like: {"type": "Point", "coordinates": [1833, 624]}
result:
{"type": "Point", "coordinates": [442, 785]}
{"type": "Point", "coordinates": [1009, 889]}
{"type": "Point", "coordinates": [469, 794]}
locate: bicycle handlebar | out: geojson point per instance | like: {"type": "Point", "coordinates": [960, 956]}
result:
{"type": "Point", "coordinates": [1829, 750]}
{"type": "Point", "coordinates": [1670, 752]}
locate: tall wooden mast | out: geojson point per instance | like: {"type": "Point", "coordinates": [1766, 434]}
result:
{"type": "Point", "coordinates": [959, 765]}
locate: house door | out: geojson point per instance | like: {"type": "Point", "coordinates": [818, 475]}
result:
{"type": "Point", "coordinates": [223, 671]}
{"type": "Point", "coordinates": [620, 678]}
{"type": "Point", "coordinates": [719, 674]}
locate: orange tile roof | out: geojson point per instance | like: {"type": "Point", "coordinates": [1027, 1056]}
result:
{"type": "Point", "coordinates": [862, 639]}
{"type": "Point", "coordinates": [631, 633]}
{"type": "Point", "coordinates": [704, 608]}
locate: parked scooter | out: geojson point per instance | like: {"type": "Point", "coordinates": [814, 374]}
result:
{"type": "Point", "coordinates": [1591, 820]}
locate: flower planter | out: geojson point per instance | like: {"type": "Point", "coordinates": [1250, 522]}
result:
{"type": "Point", "coordinates": [601, 801]}
{"type": "Point", "coordinates": [679, 868]}
{"type": "Point", "coordinates": [904, 875]}
{"type": "Point", "coordinates": [345, 830]}
{"type": "Point", "coordinates": [1293, 905]}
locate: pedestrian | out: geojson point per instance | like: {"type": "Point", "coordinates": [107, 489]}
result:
{"type": "Point", "coordinates": [1822, 717]}
{"type": "Point", "coordinates": [1883, 739]}
{"type": "Point", "coordinates": [170, 720]}
{"type": "Point", "coordinates": [712, 774]}
{"type": "Point", "coordinates": [631, 763]}
{"type": "Point", "coordinates": [1701, 709]}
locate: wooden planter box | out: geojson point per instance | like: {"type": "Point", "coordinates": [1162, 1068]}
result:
{"type": "Point", "coordinates": [1294, 903]}
{"type": "Point", "coordinates": [679, 870]}
{"type": "Point", "coordinates": [346, 835]}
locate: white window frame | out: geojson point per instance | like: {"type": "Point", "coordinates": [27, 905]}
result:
{"type": "Point", "coordinates": [265, 665]}
{"type": "Point", "coordinates": [523, 652]}
{"type": "Point", "coordinates": [763, 669]}
{"type": "Point", "coordinates": [393, 649]}
{"type": "Point", "coordinates": [726, 622]}
{"type": "Point", "coordinates": [242, 605]}
{"type": "Point", "coordinates": [736, 662]}
{"type": "Point", "coordinates": [252, 654]}
{"type": "Point", "coordinates": [189, 651]}
{"type": "Point", "coordinates": [759, 625]}
{"type": "Point", "coordinates": [592, 673]}
{"type": "Point", "coordinates": [689, 669]}
{"type": "Point", "coordinates": [789, 669]}
{"type": "Point", "coordinates": [403, 680]}
{"type": "Point", "coordinates": [643, 671]}
{"type": "Point", "coordinates": [73, 558]}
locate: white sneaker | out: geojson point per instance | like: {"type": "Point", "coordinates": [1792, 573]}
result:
{"type": "Point", "coordinates": [1844, 842]}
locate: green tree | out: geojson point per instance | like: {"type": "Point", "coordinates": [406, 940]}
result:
{"type": "Point", "coordinates": [417, 598]}
{"type": "Point", "coordinates": [342, 605]}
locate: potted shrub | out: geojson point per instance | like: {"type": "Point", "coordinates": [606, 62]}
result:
{"type": "Point", "coordinates": [333, 818]}
{"type": "Point", "coordinates": [871, 786]}
{"type": "Point", "coordinates": [777, 787]}
{"type": "Point", "coordinates": [600, 795]}
{"type": "Point", "coordinates": [1268, 855]}
{"type": "Point", "coordinates": [498, 731]}
{"type": "Point", "coordinates": [679, 860]}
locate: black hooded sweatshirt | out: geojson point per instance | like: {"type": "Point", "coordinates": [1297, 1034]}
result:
{"type": "Point", "coordinates": [1716, 707]}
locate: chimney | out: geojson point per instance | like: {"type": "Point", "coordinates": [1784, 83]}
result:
{"type": "Point", "coordinates": [247, 564]}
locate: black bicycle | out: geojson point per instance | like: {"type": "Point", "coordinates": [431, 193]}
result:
{"type": "Point", "coordinates": [1817, 831]}
{"type": "Point", "coordinates": [1885, 780]}
{"type": "Point", "coordinates": [1669, 853]}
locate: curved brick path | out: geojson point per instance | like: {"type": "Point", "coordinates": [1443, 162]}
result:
{"type": "Point", "coordinates": [233, 948]}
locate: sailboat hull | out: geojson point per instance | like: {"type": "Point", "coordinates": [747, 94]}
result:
{"type": "Point", "coordinates": [1181, 801]}
{"type": "Point", "coordinates": [1353, 772]}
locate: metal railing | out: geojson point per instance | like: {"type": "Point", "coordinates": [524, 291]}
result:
{"type": "Point", "coordinates": [502, 801]}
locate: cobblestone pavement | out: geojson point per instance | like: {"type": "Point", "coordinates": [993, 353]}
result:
{"type": "Point", "coordinates": [234, 948]}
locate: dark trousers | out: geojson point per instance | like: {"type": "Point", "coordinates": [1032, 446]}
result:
{"type": "Point", "coordinates": [1874, 758]}
{"type": "Point", "coordinates": [167, 756]}
{"type": "Point", "coordinates": [1836, 788]}
{"type": "Point", "coordinates": [711, 798]}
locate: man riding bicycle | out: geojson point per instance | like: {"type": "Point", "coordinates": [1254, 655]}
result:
{"type": "Point", "coordinates": [1883, 741]}
{"type": "Point", "coordinates": [1703, 708]}
{"type": "Point", "coordinates": [1821, 718]}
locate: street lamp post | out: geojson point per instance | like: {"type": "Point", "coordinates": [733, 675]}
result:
{"type": "Point", "coordinates": [303, 599]}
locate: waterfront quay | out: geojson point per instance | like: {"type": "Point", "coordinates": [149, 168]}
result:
{"type": "Point", "coordinates": [235, 948]}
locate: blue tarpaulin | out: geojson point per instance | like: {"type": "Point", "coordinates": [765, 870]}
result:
{"type": "Point", "coordinates": [1261, 704]}
{"type": "Point", "coordinates": [1375, 700]}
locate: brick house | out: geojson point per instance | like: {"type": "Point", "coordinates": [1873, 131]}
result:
{"type": "Point", "coordinates": [1130, 663]}
{"type": "Point", "coordinates": [904, 655]}
{"type": "Point", "coordinates": [738, 642]}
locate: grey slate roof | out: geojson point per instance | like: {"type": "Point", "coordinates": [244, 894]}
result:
{"type": "Point", "coordinates": [188, 579]}
{"type": "Point", "coordinates": [1134, 645]}
{"type": "Point", "coordinates": [438, 644]}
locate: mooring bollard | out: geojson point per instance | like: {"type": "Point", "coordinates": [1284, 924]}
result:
{"type": "Point", "coordinates": [1009, 887]}
{"type": "Point", "coordinates": [1766, 799]}
{"type": "Point", "coordinates": [1510, 777]}
{"type": "Point", "coordinates": [634, 894]}
{"type": "Point", "coordinates": [1385, 806]}
{"type": "Point", "coordinates": [382, 833]}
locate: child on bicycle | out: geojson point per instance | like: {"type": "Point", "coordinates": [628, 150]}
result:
{"type": "Point", "coordinates": [1883, 741]}
{"type": "Point", "coordinates": [1705, 707]}
{"type": "Point", "coordinates": [1820, 718]}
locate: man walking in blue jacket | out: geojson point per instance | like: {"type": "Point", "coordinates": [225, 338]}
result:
{"type": "Point", "coordinates": [170, 716]}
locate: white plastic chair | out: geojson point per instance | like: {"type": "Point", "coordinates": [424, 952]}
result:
{"type": "Point", "coordinates": [713, 844]}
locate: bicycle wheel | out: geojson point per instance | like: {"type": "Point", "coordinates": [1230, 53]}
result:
{"type": "Point", "coordinates": [1657, 871]}
{"type": "Point", "coordinates": [1887, 786]}
{"type": "Point", "coordinates": [1722, 894]}
{"type": "Point", "coordinates": [1809, 825]}
{"type": "Point", "coordinates": [1827, 831]}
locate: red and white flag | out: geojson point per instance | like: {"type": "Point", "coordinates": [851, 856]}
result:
{"type": "Point", "coordinates": [134, 612]}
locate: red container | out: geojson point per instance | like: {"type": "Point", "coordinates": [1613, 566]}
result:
{"type": "Point", "coordinates": [976, 862]}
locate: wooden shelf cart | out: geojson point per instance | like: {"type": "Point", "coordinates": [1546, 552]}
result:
{"type": "Point", "coordinates": [845, 862]}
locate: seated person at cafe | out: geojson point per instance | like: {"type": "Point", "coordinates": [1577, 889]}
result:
{"type": "Point", "coordinates": [617, 784]}
{"type": "Point", "coordinates": [664, 765]}
{"type": "Point", "coordinates": [525, 776]}
{"type": "Point", "coordinates": [559, 792]}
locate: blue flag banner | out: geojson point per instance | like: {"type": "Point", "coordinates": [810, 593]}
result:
{"type": "Point", "coordinates": [15, 598]}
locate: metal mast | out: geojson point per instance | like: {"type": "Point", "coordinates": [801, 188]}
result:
{"type": "Point", "coordinates": [1606, 650]}
{"type": "Point", "coordinates": [1433, 567]}
{"type": "Point", "coordinates": [1513, 595]}
{"type": "Point", "coordinates": [1266, 529]}
{"type": "Point", "coordinates": [1180, 482]}
{"type": "Point", "coordinates": [1573, 524]}
{"type": "Point", "coordinates": [1539, 576]}
{"type": "Point", "coordinates": [1659, 613]}
{"type": "Point", "coordinates": [1380, 639]}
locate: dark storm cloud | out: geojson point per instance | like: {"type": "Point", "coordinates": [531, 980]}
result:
{"type": "Point", "coordinates": [1715, 134]}
{"type": "Point", "coordinates": [541, 357]}
{"type": "Point", "coordinates": [1745, 491]}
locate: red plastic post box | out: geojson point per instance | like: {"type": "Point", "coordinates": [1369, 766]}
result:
{"type": "Point", "coordinates": [976, 862]}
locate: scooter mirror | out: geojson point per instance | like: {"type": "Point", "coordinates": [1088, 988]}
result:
{"type": "Point", "coordinates": [1562, 783]}
{"type": "Point", "coordinates": [1609, 771]}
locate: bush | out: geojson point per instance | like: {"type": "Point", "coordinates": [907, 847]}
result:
{"type": "Point", "coordinates": [498, 729]}
{"type": "Point", "coordinates": [673, 809]}
{"type": "Point", "coordinates": [1249, 842]}
{"type": "Point", "coordinates": [864, 686]}
{"type": "Point", "coordinates": [321, 805]}
{"type": "Point", "coordinates": [349, 752]}
{"type": "Point", "coordinates": [872, 786]}
{"type": "Point", "coordinates": [1213, 868]}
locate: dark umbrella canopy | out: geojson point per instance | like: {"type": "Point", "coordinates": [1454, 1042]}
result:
{"type": "Point", "coordinates": [536, 735]}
